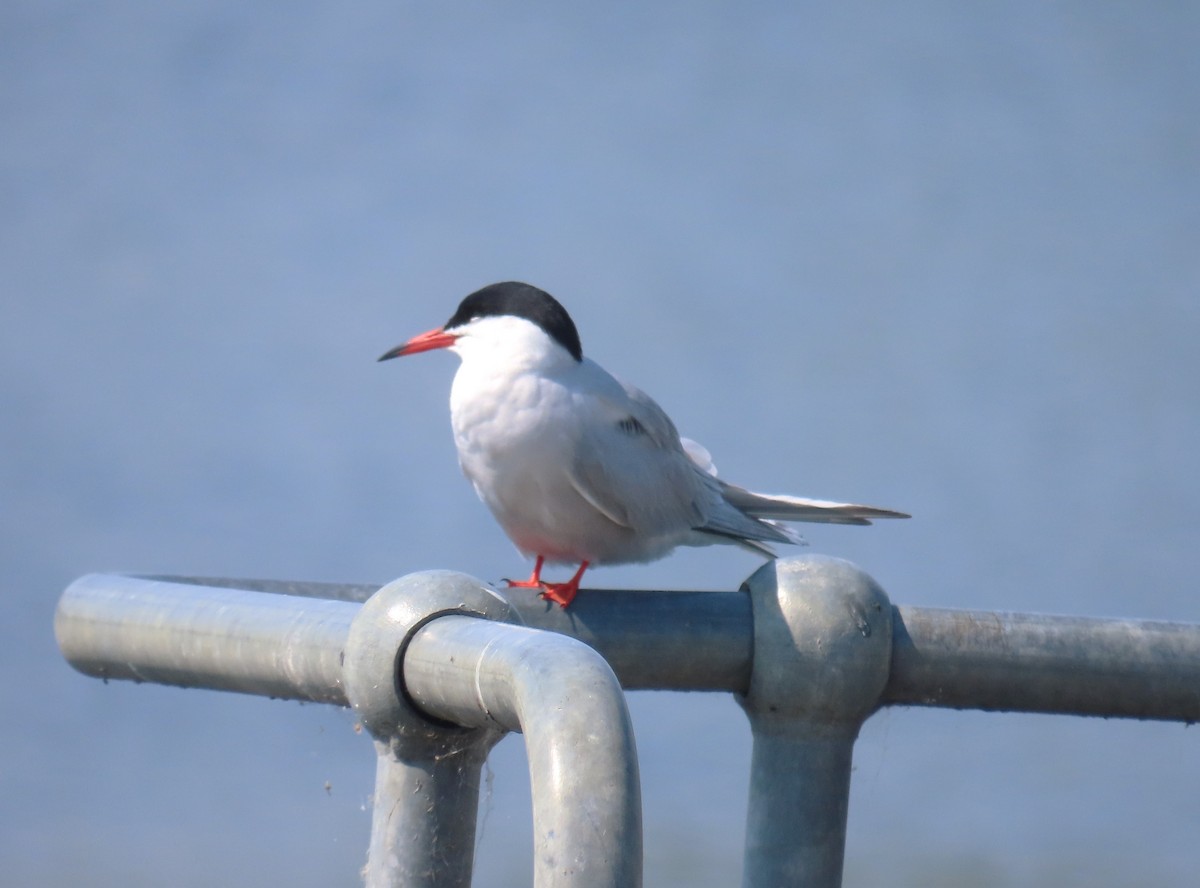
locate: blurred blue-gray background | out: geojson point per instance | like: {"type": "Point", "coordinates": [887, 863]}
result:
{"type": "Point", "coordinates": [940, 257]}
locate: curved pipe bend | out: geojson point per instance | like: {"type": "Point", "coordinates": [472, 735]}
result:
{"type": "Point", "coordinates": [568, 703]}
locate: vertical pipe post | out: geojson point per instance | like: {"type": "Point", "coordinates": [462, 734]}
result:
{"type": "Point", "coordinates": [427, 773]}
{"type": "Point", "coordinates": [799, 790]}
{"type": "Point", "coordinates": [822, 648]}
{"type": "Point", "coordinates": [424, 813]}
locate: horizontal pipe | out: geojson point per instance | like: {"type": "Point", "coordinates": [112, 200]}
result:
{"type": "Point", "coordinates": [1038, 663]}
{"type": "Point", "coordinates": [199, 633]}
{"type": "Point", "coordinates": [566, 700]}
{"type": "Point", "coordinates": [205, 636]}
{"type": "Point", "coordinates": [357, 592]}
{"type": "Point", "coordinates": [657, 640]}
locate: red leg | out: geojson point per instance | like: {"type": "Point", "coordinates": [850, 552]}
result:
{"type": "Point", "coordinates": [534, 581]}
{"type": "Point", "coordinates": [563, 594]}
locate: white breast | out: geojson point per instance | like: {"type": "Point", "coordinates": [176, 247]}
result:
{"type": "Point", "coordinates": [516, 442]}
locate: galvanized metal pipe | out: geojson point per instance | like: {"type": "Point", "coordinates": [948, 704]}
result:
{"type": "Point", "coordinates": [151, 629]}
{"type": "Point", "coordinates": [195, 632]}
{"type": "Point", "coordinates": [822, 645]}
{"type": "Point", "coordinates": [424, 810]}
{"type": "Point", "coordinates": [427, 774]}
{"type": "Point", "coordinates": [1039, 663]}
{"type": "Point", "coordinates": [656, 640]}
{"type": "Point", "coordinates": [799, 802]}
{"type": "Point", "coordinates": [806, 656]}
{"type": "Point", "coordinates": [565, 698]}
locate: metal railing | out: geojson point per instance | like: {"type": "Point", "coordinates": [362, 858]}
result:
{"type": "Point", "coordinates": [439, 666]}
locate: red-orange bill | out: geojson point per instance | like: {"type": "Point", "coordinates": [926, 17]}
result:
{"type": "Point", "coordinates": [436, 338]}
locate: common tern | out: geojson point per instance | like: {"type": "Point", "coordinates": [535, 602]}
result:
{"type": "Point", "coordinates": [578, 467]}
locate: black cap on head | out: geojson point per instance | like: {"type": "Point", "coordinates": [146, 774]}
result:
{"type": "Point", "coordinates": [521, 301]}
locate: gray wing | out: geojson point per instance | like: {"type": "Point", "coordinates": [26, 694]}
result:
{"type": "Point", "coordinates": [630, 465]}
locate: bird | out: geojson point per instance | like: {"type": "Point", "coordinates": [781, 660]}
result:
{"type": "Point", "coordinates": [578, 467]}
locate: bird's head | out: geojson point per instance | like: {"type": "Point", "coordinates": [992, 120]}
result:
{"type": "Point", "coordinates": [509, 318]}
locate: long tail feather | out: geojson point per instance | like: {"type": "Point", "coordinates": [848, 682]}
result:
{"type": "Point", "coordinates": [797, 508]}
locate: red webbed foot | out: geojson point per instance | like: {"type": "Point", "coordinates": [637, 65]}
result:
{"type": "Point", "coordinates": [561, 594]}
{"type": "Point", "coordinates": [534, 581]}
